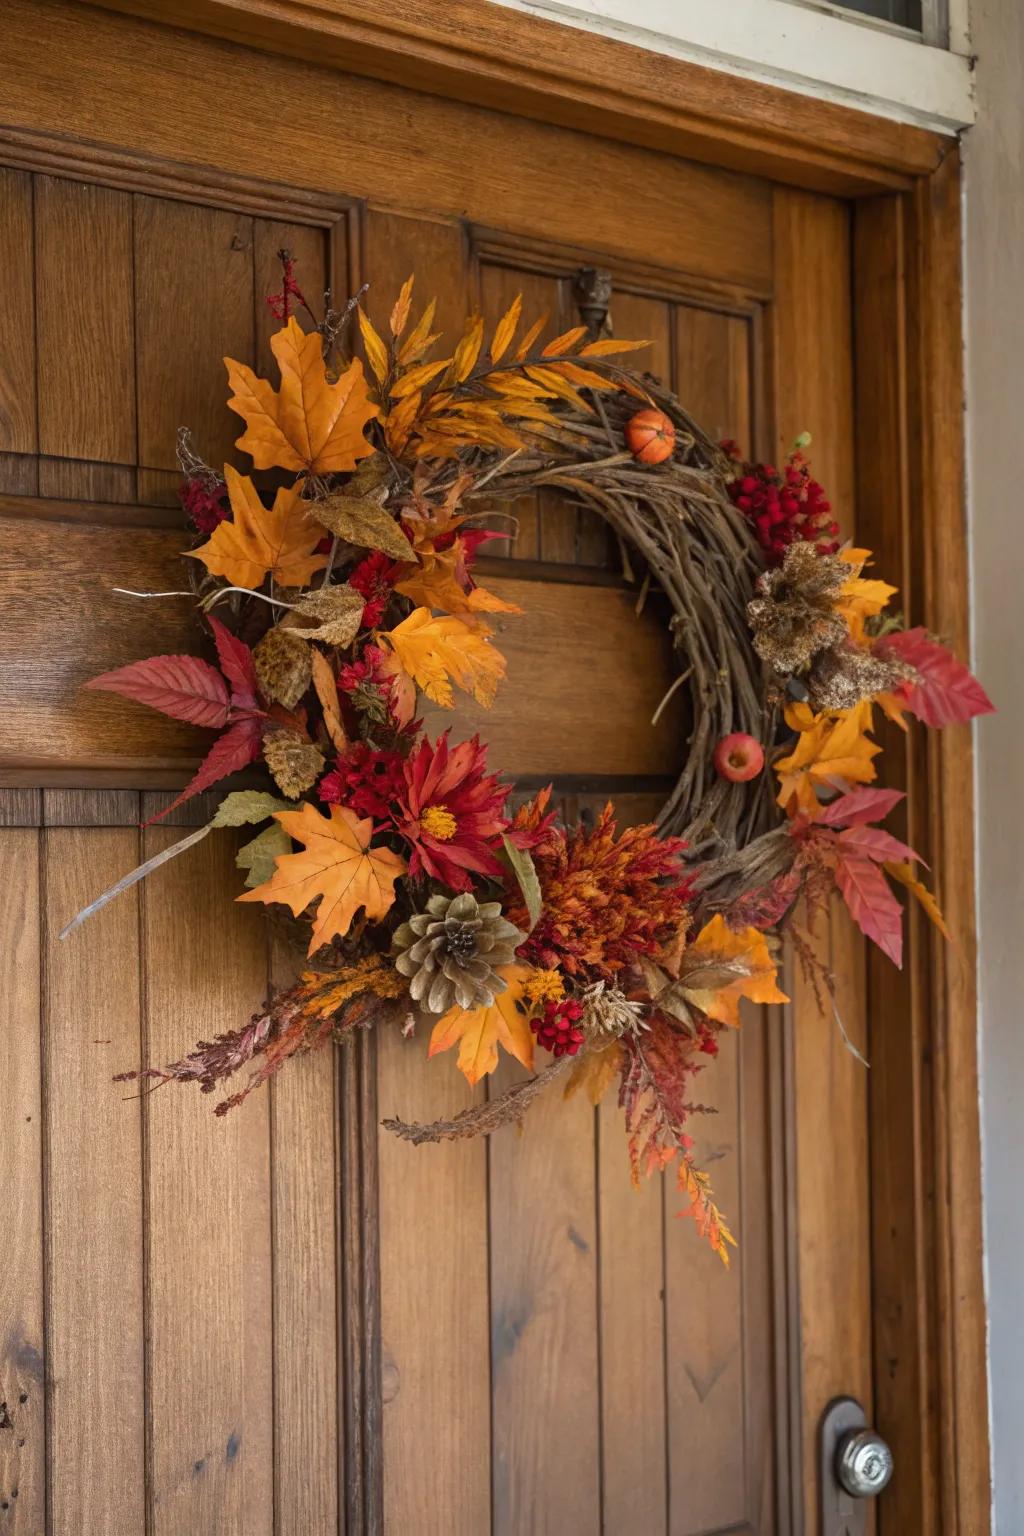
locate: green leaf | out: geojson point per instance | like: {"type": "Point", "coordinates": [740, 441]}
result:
{"type": "Point", "coordinates": [260, 856]}
{"type": "Point", "coordinates": [361, 520]}
{"type": "Point", "coordinates": [246, 806]}
{"type": "Point", "coordinates": [526, 874]}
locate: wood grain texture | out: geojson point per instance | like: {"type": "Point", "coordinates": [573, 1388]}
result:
{"type": "Point", "coordinates": [94, 1193]}
{"type": "Point", "coordinates": [544, 1326]}
{"type": "Point", "coordinates": [813, 350]}
{"type": "Point", "coordinates": [18, 431]}
{"type": "Point", "coordinates": [209, 1341]}
{"type": "Point", "coordinates": [22, 1316]}
{"type": "Point", "coordinates": [85, 312]}
{"type": "Point", "coordinates": [304, 1191]}
{"type": "Point", "coordinates": [434, 1302]}
{"type": "Point", "coordinates": [950, 1099]}
{"type": "Point", "coordinates": [540, 69]}
{"type": "Point", "coordinates": [74, 480]}
{"type": "Point", "coordinates": [185, 319]}
{"type": "Point", "coordinates": [347, 137]}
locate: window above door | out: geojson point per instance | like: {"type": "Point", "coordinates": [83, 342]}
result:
{"type": "Point", "coordinates": [863, 53]}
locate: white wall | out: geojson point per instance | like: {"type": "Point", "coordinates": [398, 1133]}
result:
{"type": "Point", "coordinates": [994, 254]}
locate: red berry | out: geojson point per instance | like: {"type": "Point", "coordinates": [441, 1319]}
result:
{"type": "Point", "coordinates": [739, 757]}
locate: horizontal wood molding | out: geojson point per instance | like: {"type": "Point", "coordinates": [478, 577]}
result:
{"type": "Point", "coordinates": [469, 50]}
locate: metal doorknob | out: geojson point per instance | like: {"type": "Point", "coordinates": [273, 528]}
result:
{"type": "Point", "coordinates": [863, 1463]}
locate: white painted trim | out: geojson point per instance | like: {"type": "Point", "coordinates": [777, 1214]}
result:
{"type": "Point", "coordinates": [816, 53]}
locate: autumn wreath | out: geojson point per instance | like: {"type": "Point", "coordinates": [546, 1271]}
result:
{"type": "Point", "coordinates": [342, 585]}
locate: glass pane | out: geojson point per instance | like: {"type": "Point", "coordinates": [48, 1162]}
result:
{"type": "Point", "coordinates": [905, 13]}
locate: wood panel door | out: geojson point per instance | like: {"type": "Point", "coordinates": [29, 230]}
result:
{"type": "Point", "coordinates": [287, 1321]}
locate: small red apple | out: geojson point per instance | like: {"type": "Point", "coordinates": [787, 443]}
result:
{"type": "Point", "coordinates": [739, 757]}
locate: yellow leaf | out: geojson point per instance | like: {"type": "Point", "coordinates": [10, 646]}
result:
{"type": "Point", "coordinates": [723, 965]}
{"type": "Point", "coordinates": [529, 340]}
{"type": "Point", "coordinates": [479, 1031]}
{"type": "Point", "coordinates": [337, 867]}
{"type": "Point", "coordinates": [310, 424]}
{"type": "Point", "coordinates": [419, 338]}
{"type": "Point", "coordinates": [565, 342]}
{"type": "Point", "coordinates": [904, 873]}
{"type": "Point", "coordinates": [327, 692]}
{"type": "Point", "coordinates": [505, 329]}
{"type": "Point", "coordinates": [586, 378]}
{"type": "Point", "coordinates": [831, 747]}
{"type": "Point", "coordinates": [376, 351]}
{"type": "Point", "coordinates": [400, 314]}
{"type": "Point", "coordinates": [594, 1071]}
{"type": "Point", "coordinates": [468, 350]}
{"type": "Point", "coordinates": [418, 378]}
{"type": "Point", "coordinates": [609, 345]}
{"type": "Point", "coordinates": [554, 384]}
{"type": "Point", "coordinates": [893, 707]}
{"type": "Point", "coordinates": [433, 650]}
{"type": "Point", "coordinates": [258, 540]}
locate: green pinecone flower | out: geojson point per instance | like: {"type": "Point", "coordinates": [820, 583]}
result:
{"type": "Point", "coordinates": [451, 952]}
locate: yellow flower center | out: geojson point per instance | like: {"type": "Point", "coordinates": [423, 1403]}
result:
{"type": "Point", "coordinates": [543, 985]}
{"type": "Point", "coordinates": [438, 821]}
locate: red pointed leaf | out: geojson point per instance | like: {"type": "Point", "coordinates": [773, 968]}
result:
{"type": "Point", "coordinates": [236, 749]}
{"type": "Point", "coordinates": [184, 687]}
{"type": "Point", "coordinates": [871, 904]}
{"type": "Point", "coordinates": [874, 843]}
{"type": "Point", "coordinates": [945, 693]}
{"type": "Point", "coordinates": [237, 665]}
{"type": "Point", "coordinates": [858, 806]}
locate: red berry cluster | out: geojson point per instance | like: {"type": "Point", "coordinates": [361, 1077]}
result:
{"type": "Point", "coordinates": [558, 1030]}
{"type": "Point", "coordinates": [707, 1041]}
{"type": "Point", "coordinates": [784, 506]}
{"type": "Point", "coordinates": [205, 499]}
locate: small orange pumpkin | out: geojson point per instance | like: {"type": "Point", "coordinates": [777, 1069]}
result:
{"type": "Point", "coordinates": [651, 436]}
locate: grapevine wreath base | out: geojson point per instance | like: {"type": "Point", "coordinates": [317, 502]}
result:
{"type": "Point", "coordinates": [338, 585]}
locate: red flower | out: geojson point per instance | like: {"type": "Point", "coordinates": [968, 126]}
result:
{"type": "Point", "coordinates": [451, 812]}
{"type": "Point", "coordinates": [783, 506]}
{"type": "Point", "coordinates": [366, 781]}
{"type": "Point", "coordinates": [204, 498]}
{"type": "Point", "coordinates": [374, 577]}
{"type": "Point", "coordinates": [531, 826]}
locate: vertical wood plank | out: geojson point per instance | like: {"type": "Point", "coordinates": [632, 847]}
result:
{"type": "Point", "coordinates": [194, 305]}
{"type": "Point", "coordinates": [84, 321]}
{"type": "Point", "coordinates": [712, 371]}
{"type": "Point", "coordinates": [18, 427]}
{"type": "Point", "coordinates": [94, 1189]}
{"type": "Point", "coordinates": [544, 1334]}
{"type": "Point", "coordinates": [433, 1199]}
{"type": "Point", "coordinates": [703, 1307]}
{"type": "Point", "coordinates": [304, 1177]}
{"type": "Point", "coordinates": [22, 1323]}
{"type": "Point", "coordinates": [814, 392]}
{"type": "Point", "coordinates": [308, 247]}
{"type": "Point", "coordinates": [209, 1309]}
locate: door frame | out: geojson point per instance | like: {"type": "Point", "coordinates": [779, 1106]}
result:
{"type": "Point", "coordinates": [928, 1305]}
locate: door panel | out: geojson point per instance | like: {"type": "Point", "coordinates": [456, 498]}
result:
{"type": "Point", "coordinates": [303, 1324]}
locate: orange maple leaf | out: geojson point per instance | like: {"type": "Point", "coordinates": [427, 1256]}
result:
{"type": "Point", "coordinates": [434, 651]}
{"type": "Point", "coordinates": [310, 424]}
{"type": "Point", "coordinates": [595, 1071]}
{"type": "Point", "coordinates": [860, 599]}
{"type": "Point", "coordinates": [337, 865]}
{"type": "Point", "coordinates": [831, 747]}
{"type": "Point", "coordinates": [479, 1031]}
{"type": "Point", "coordinates": [280, 540]}
{"type": "Point", "coordinates": [723, 965]}
{"type": "Point", "coordinates": [441, 578]}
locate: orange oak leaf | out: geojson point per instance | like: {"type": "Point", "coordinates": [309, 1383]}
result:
{"type": "Point", "coordinates": [723, 965]}
{"type": "Point", "coordinates": [435, 651]}
{"type": "Point", "coordinates": [479, 1031]}
{"type": "Point", "coordinates": [337, 865]}
{"type": "Point", "coordinates": [830, 748]}
{"type": "Point", "coordinates": [257, 540]}
{"type": "Point", "coordinates": [310, 423]}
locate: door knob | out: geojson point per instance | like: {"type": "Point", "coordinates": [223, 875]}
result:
{"type": "Point", "coordinates": [856, 1464]}
{"type": "Point", "coordinates": [863, 1463]}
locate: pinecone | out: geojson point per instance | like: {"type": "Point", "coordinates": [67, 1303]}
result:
{"type": "Point", "coordinates": [450, 952]}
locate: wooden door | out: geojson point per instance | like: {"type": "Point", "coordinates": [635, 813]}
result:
{"type": "Point", "coordinates": [287, 1321]}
